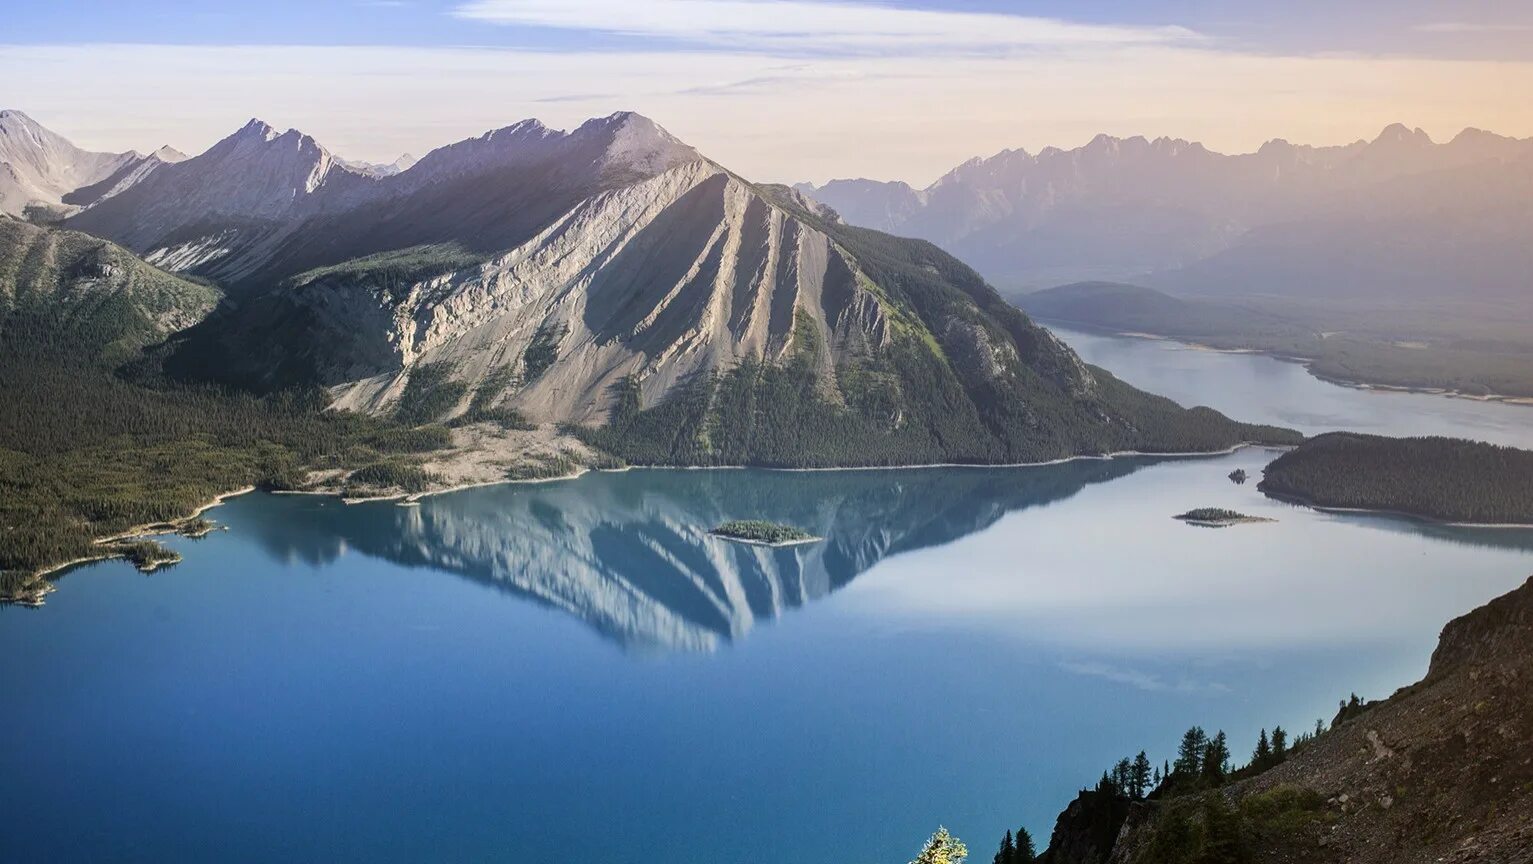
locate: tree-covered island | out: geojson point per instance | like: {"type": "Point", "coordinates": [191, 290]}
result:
{"type": "Point", "coordinates": [763, 533]}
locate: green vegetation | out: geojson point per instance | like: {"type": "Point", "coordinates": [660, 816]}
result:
{"type": "Point", "coordinates": [1217, 516]}
{"type": "Point", "coordinates": [966, 378]}
{"type": "Point", "coordinates": [942, 848]}
{"type": "Point", "coordinates": [63, 289]}
{"type": "Point", "coordinates": [545, 466]}
{"type": "Point", "coordinates": [1476, 348]}
{"type": "Point", "coordinates": [91, 447]}
{"type": "Point", "coordinates": [1187, 819]}
{"type": "Point", "coordinates": [482, 408]}
{"type": "Point", "coordinates": [429, 393]}
{"type": "Point", "coordinates": [387, 476]}
{"type": "Point", "coordinates": [760, 531]}
{"type": "Point", "coordinates": [398, 269]}
{"type": "Point", "coordinates": [1017, 850]}
{"type": "Point", "coordinates": [146, 555]}
{"type": "Point", "coordinates": [543, 350]}
{"type": "Point", "coordinates": [1436, 478]}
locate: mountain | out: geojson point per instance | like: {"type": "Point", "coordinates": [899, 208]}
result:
{"type": "Point", "coordinates": [1121, 207]}
{"type": "Point", "coordinates": [614, 278]}
{"type": "Point", "coordinates": [380, 169]}
{"type": "Point", "coordinates": [42, 170]}
{"type": "Point", "coordinates": [1438, 772]}
{"type": "Point", "coordinates": [74, 292]}
{"type": "Point", "coordinates": [260, 206]}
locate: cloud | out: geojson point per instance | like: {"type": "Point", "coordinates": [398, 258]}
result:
{"type": "Point", "coordinates": [804, 26]}
{"type": "Point", "coordinates": [1137, 679]}
{"type": "Point", "coordinates": [1471, 27]}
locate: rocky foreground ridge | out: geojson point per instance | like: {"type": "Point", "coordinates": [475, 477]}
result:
{"type": "Point", "coordinates": [1442, 771]}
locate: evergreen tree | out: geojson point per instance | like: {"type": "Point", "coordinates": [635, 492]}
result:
{"type": "Point", "coordinates": [1026, 853]}
{"type": "Point", "coordinates": [1216, 758]}
{"type": "Point", "coordinates": [1189, 755]}
{"type": "Point", "coordinates": [1262, 755]}
{"type": "Point", "coordinates": [1139, 777]}
{"type": "Point", "coordinates": [1007, 854]}
{"type": "Point", "coordinates": [1155, 783]}
{"type": "Point", "coordinates": [1122, 777]}
{"type": "Point", "coordinates": [942, 848]}
{"type": "Point", "coordinates": [1279, 744]}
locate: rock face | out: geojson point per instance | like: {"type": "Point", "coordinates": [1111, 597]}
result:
{"type": "Point", "coordinates": [40, 169]}
{"type": "Point", "coordinates": [614, 270]}
{"type": "Point", "coordinates": [1122, 208]}
{"type": "Point", "coordinates": [1442, 771]}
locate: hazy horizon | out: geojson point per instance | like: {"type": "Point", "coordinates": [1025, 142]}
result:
{"type": "Point", "coordinates": [779, 90]}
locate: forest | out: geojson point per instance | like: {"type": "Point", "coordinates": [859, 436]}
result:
{"type": "Point", "coordinates": [1447, 479]}
{"type": "Point", "coordinates": [87, 451]}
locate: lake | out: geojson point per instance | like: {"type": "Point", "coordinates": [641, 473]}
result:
{"type": "Point", "coordinates": [576, 671]}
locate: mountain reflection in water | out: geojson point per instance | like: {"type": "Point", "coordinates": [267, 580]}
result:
{"type": "Point", "coordinates": [630, 554]}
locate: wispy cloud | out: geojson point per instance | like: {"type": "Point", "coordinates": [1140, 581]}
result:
{"type": "Point", "coordinates": [1135, 678]}
{"type": "Point", "coordinates": [800, 26]}
{"type": "Point", "coordinates": [1471, 27]}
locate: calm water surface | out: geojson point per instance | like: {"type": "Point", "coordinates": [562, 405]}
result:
{"type": "Point", "coordinates": [577, 672]}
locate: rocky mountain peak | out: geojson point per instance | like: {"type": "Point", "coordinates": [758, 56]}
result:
{"type": "Point", "coordinates": [1398, 134]}
{"type": "Point", "coordinates": [635, 142]}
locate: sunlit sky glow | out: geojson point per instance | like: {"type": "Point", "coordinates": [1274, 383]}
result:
{"type": "Point", "coordinates": [779, 90]}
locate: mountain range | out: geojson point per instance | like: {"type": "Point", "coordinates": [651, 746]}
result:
{"type": "Point", "coordinates": [611, 278]}
{"type": "Point", "coordinates": [1396, 215]}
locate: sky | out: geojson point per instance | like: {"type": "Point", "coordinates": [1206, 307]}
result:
{"type": "Point", "coordinates": [777, 90]}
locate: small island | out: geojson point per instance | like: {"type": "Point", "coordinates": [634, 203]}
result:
{"type": "Point", "coordinates": [758, 532]}
{"type": "Point", "coordinates": [1238, 476]}
{"type": "Point", "coordinates": [147, 555]}
{"type": "Point", "coordinates": [1218, 517]}
{"type": "Point", "coordinates": [1439, 479]}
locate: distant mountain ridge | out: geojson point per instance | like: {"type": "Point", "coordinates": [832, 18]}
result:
{"type": "Point", "coordinates": [42, 172]}
{"type": "Point", "coordinates": [1129, 207]}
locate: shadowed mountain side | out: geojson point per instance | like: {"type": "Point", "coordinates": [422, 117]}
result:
{"type": "Point", "coordinates": [631, 555]}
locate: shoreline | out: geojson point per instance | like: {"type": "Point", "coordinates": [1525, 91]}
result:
{"type": "Point", "coordinates": [1307, 362]}
{"type": "Point", "coordinates": [415, 497]}
{"type": "Point", "coordinates": [1301, 501]}
{"type": "Point", "coordinates": [50, 573]}
{"type": "Point", "coordinates": [783, 544]}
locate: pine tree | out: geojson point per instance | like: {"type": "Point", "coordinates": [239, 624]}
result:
{"type": "Point", "coordinates": [1216, 758]}
{"type": "Point", "coordinates": [1007, 854]}
{"type": "Point", "coordinates": [1026, 852]}
{"type": "Point", "coordinates": [1189, 755]}
{"type": "Point", "coordinates": [1139, 777]}
{"type": "Point", "coordinates": [1262, 755]}
{"type": "Point", "coordinates": [1122, 776]}
{"type": "Point", "coordinates": [1279, 744]}
{"type": "Point", "coordinates": [942, 848]}
{"type": "Point", "coordinates": [1156, 779]}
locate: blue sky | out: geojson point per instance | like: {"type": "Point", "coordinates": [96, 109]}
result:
{"type": "Point", "coordinates": [778, 89]}
{"type": "Point", "coordinates": [1467, 28]}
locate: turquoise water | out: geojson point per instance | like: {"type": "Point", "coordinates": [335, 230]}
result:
{"type": "Point", "coordinates": [577, 672]}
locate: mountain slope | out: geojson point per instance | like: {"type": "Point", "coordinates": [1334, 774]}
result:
{"type": "Point", "coordinates": [74, 292]}
{"type": "Point", "coordinates": [615, 279]}
{"type": "Point", "coordinates": [1439, 772]}
{"type": "Point", "coordinates": [261, 206]}
{"type": "Point", "coordinates": [1115, 207]}
{"type": "Point", "coordinates": [41, 169]}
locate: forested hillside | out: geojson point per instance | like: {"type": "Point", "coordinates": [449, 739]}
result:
{"type": "Point", "coordinates": [1438, 478]}
{"type": "Point", "coordinates": [90, 448]}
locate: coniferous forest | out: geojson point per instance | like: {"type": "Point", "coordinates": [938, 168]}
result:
{"type": "Point", "coordinates": [1438, 478]}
